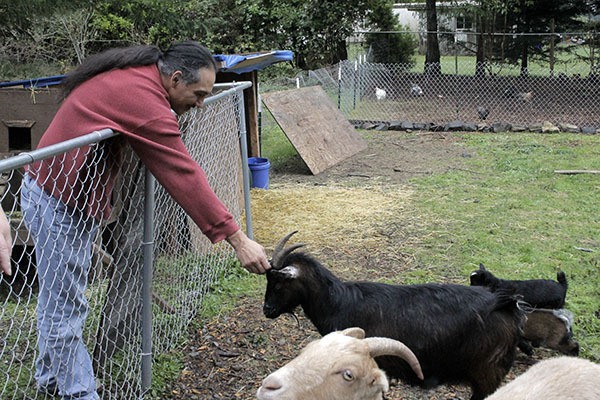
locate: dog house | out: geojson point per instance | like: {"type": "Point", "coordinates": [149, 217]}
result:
{"type": "Point", "coordinates": [26, 109]}
{"type": "Point", "coordinates": [245, 67]}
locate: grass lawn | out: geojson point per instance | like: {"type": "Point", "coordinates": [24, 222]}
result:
{"type": "Point", "coordinates": [504, 207]}
{"type": "Point", "coordinates": [509, 210]}
{"type": "Point", "coordinates": [566, 63]}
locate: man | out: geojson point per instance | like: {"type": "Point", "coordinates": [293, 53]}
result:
{"type": "Point", "coordinates": [137, 91]}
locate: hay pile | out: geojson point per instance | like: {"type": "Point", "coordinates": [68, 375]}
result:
{"type": "Point", "coordinates": [337, 223]}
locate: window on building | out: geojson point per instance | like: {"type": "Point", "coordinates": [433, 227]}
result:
{"type": "Point", "coordinates": [464, 22]}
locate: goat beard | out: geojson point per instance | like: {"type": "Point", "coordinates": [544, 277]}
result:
{"type": "Point", "coordinates": [295, 317]}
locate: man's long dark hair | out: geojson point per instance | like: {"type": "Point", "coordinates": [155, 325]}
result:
{"type": "Point", "coordinates": [188, 57]}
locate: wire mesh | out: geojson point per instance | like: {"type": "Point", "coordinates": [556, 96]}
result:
{"type": "Point", "coordinates": [561, 88]}
{"type": "Point", "coordinates": [186, 264]}
{"type": "Point", "coordinates": [382, 92]}
{"type": "Point", "coordinates": [370, 92]}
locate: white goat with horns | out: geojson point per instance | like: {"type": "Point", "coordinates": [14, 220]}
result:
{"type": "Point", "coordinates": [339, 366]}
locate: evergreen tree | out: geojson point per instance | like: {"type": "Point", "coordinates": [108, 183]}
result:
{"type": "Point", "coordinates": [385, 43]}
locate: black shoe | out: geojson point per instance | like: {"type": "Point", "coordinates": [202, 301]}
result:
{"type": "Point", "coordinates": [49, 390]}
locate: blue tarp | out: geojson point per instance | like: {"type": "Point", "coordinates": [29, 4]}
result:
{"type": "Point", "coordinates": [238, 64]}
{"type": "Point", "coordinates": [35, 82]}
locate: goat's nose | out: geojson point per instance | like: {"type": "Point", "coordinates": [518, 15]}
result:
{"type": "Point", "coordinates": [272, 382]}
{"type": "Point", "coordinates": [268, 310]}
{"type": "Point", "coordinates": [270, 388]}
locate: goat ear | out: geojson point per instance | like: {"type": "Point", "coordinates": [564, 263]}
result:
{"type": "Point", "coordinates": [481, 267]}
{"type": "Point", "coordinates": [289, 272]}
{"type": "Point", "coordinates": [357, 333]}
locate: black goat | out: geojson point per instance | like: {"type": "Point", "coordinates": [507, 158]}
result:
{"type": "Point", "coordinates": [460, 334]}
{"type": "Point", "coordinates": [539, 293]}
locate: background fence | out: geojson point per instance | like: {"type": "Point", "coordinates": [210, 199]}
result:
{"type": "Point", "coordinates": [564, 92]}
{"type": "Point", "coordinates": [186, 264]}
{"type": "Point", "coordinates": [368, 92]}
{"type": "Point", "coordinates": [383, 92]}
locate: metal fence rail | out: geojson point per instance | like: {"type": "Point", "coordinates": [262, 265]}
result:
{"type": "Point", "coordinates": [185, 264]}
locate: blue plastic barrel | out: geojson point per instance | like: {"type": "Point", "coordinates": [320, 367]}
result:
{"type": "Point", "coordinates": [259, 169]}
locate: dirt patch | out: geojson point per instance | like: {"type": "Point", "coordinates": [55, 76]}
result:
{"type": "Point", "coordinates": [228, 357]}
{"type": "Point", "coordinates": [392, 157]}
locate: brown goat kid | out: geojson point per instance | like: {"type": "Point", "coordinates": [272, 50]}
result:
{"type": "Point", "coordinates": [550, 329]}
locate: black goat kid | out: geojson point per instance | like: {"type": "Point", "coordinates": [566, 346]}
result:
{"type": "Point", "coordinates": [460, 334]}
{"type": "Point", "coordinates": [539, 293]}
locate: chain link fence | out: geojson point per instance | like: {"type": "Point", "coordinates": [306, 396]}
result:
{"type": "Point", "coordinates": [386, 92]}
{"type": "Point", "coordinates": [119, 332]}
{"type": "Point", "coordinates": [563, 93]}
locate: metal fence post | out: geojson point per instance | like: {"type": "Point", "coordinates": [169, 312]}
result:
{"type": "Point", "coordinates": [355, 82]}
{"type": "Point", "coordinates": [245, 167]}
{"type": "Point", "coordinates": [339, 82]}
{"type": "Point", "coordinates": [148, 254]}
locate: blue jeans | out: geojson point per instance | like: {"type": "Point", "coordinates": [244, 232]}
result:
{"type": "Point", "coordinates": [63, 239]}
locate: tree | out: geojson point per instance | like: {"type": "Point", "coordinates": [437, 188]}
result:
{"type": "Point", "coordinates": [524, 17]}
{"type": "Point", "coordinates": [432, 55]}
{"type": "Point", "coordinates": [18, 16]}
{"type": "Point", "coordinates": [41, 30]}
{"type": "Point", "coordinates": [314, 30]}
{"type": "Point", "coordinates": [385, 43]}
{"type": "Point", "coordinates": [532, 16]}
{"type": "Point", "coordinates": [591, 25]}
{"type": "Point", "coordinates": [516, 20]}
{"type": "Point", "coordinates": [122, 23]}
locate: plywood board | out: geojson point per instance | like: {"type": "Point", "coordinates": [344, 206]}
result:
{"type": "Point", "coordinates": [315, 127]}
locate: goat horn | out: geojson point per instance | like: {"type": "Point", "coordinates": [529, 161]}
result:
{"type": "Point", "coordinates": [279, 253]}
{"type": "Point", "coordinates": [277, 261]}
{"type": "Point", "coordinates": [283, 241]}
{"type": "Point", "coordinates": [380, 346]}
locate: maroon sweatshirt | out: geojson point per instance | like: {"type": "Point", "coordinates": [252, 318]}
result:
{"type": "Point", "coordinates": [131, 101]}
